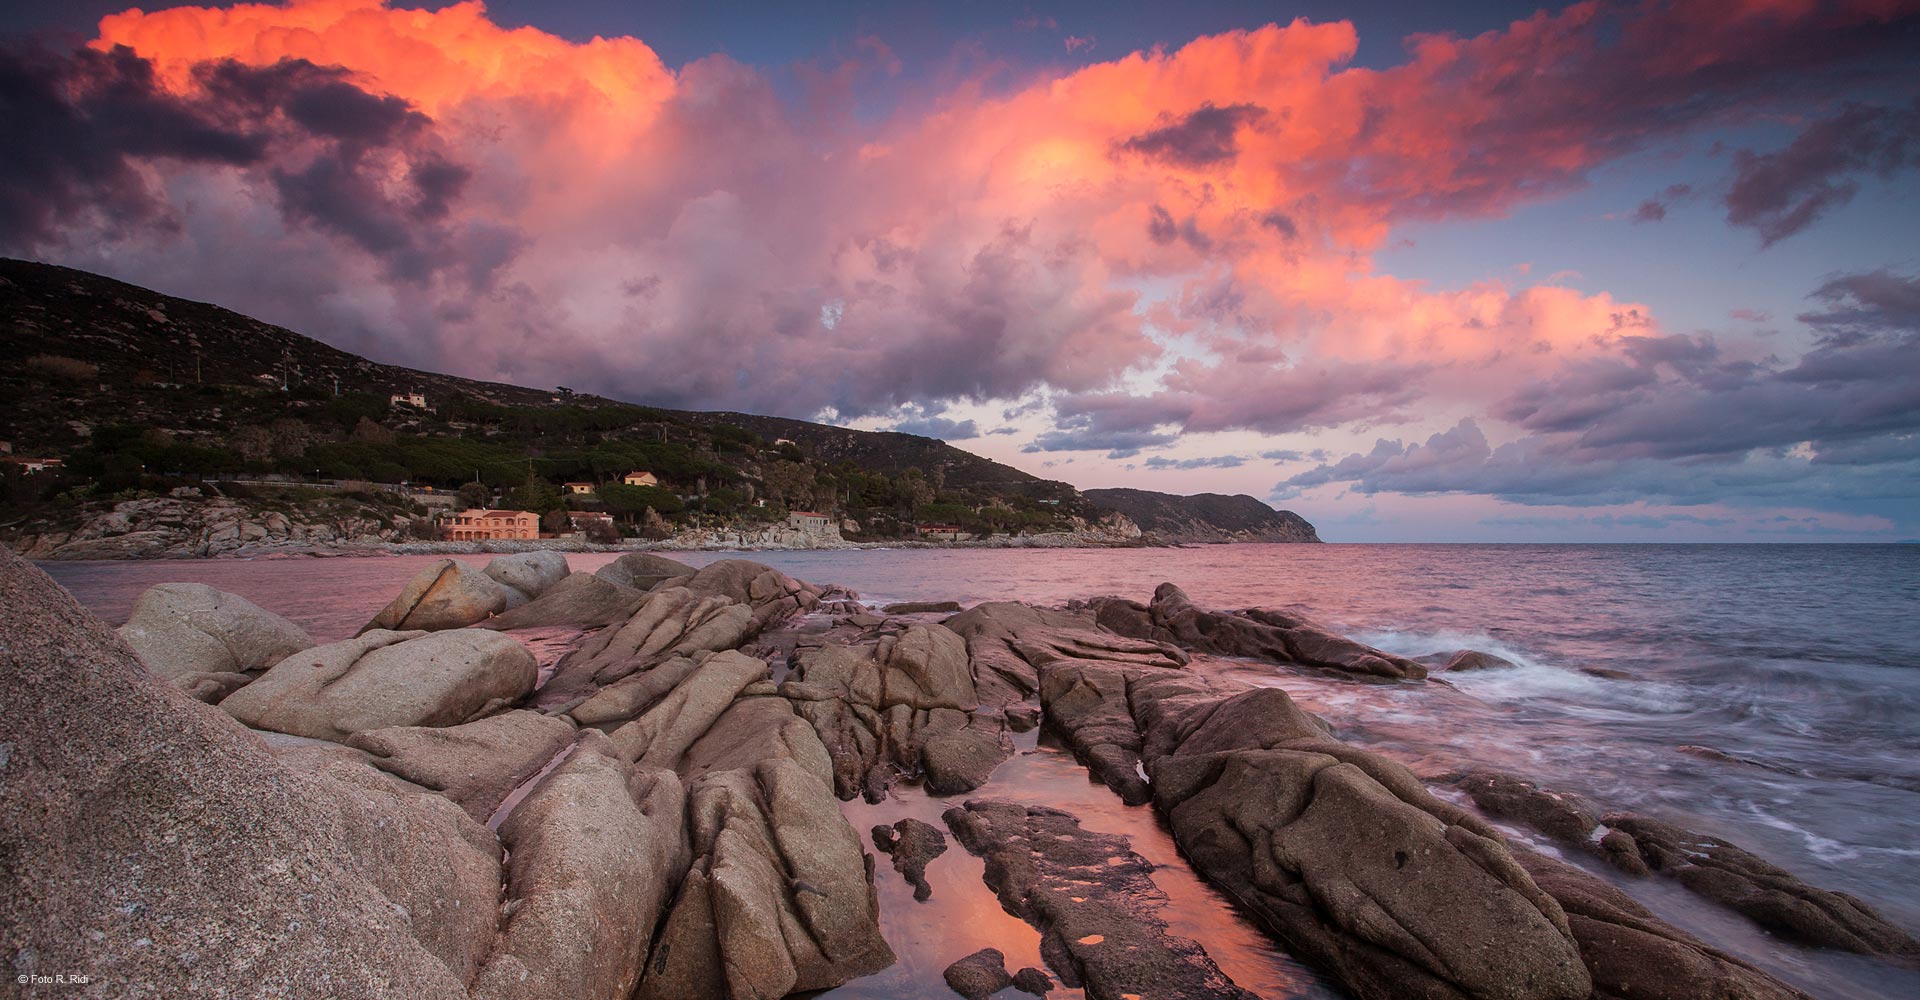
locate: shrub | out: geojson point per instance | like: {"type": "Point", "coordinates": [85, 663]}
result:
{"type": "Point", "coordinates": [65, 369]}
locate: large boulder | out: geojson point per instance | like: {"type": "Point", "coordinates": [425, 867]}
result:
{"type": "Point", "coordinates": [478, 764]}
{"type": "Point", "coordinates": [779, 899]}
{"type": "Point", "coordinates": [642, 570]}
{"type": "Point", "coordinates": [179, 629]}
{"type": "Point", "coordinates": [382, 679]}
{"type": "Point", "coordinates": [774, 596]}
{"type": "Point", "coordinates": [581, 599]}
{"type": "Point", "coordinates": [157, 846]}
{"type": "Point", "coordinates": [595, 852]}
{"type": "Point", "coordinates": [447, 594]}
{"type": "Point", "coordinates": [669, 622]}
{"type": "Point", "coordinates": [530, 573]}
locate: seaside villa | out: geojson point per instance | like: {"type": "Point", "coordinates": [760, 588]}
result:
{"type": "Point", "coordinates": [580, 488]}
{"type": "Point", "coordinates": [640, 478]}
{"type": "Point", "coordinates": [807, 520]}
{"type": "Point", "coordinates": [479, 524]}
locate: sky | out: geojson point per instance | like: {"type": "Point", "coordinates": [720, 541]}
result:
{"type": "Point", "coordinates": [1440, 272]}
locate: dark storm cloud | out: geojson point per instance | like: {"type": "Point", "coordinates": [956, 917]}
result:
{"type": "Point", "coordinates": [1203, 138]}
{"type": "Point", "coordinates": [73, 126]}
{"type": "Point", "coordinates": [78, 125]}
{"type": "Point", "coordinates": [1781, 193]}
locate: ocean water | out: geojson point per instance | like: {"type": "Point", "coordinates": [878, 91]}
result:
{"type": "Point", "coordinates": [1798, 665]}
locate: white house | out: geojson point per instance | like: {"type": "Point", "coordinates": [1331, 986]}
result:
{"type": "Point", "coordinates": [414, 399]}
{"type": "Point", "coordinates": [807, 520]}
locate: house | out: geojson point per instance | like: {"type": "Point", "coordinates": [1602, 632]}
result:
{"type": "Point", "coordinates": [32, 465]}
{"type": "Point", "coordinates": [414, 399]}
{"type": "Point", "coordinates": [581, 520]}
{"type": "Point", "coordinates": [640, 479]}
{"type": "Point", "coordinates": [477, 524]}
{"type": "Point", "coordinates": [586, 488]}
{"type": "Point", "coordinates": [938, 532]}
{"type": "Point", "coordinates": [807, 520]}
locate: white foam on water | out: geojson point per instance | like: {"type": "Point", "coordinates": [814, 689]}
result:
{"type": "Point", "coordinates": [1531, 679]}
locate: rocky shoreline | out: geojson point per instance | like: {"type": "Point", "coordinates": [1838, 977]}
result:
{"type": "Point", "coordinates": [220, 528]}
{"type": "Point", "coordinates": [643, 782]}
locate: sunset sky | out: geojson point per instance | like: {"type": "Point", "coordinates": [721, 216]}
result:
{"type": "Point", "coordinates": [1608, 271]}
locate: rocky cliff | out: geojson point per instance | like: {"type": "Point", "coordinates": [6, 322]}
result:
{"type": "Point", "coordinates": [1204, 517]}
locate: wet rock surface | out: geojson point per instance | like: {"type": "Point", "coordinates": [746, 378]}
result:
{"type": "Point", "coordinates": [1260, 633]}
{"type": "Point", "coordinates": [979, 975]}
{"type": "Point", "coordinates": [1768, 895]}
{"type": "Point", "coordinates": [912, 844]}
{"type": "Point", "coordinates": [1091, 898]}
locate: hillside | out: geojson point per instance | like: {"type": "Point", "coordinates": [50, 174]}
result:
{"type": "Point", "coordinates": [1205, 517]}
{"type": "Point", "coordinates": [143, 393]}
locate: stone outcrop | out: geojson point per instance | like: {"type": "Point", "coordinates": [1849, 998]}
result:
{"type": "Point", "coordinates": [1080, 673]}
{"type": "Point", "coordinates": [581, 599]}
{"type": "Point", "coordinates": [1462, 660]}
{"type": "Point", "coordinates": [182, 629]}
{"type": "Point", "coordinates": [1092, 899]}
{"type": "Point", "coordinates": [912, 844]}
{"type": "Point", "coordinates": [1633, 955]}
{"type": "Point", "coordinates": [381, 679]}
{"type": "Point", "coordinates": [530, 574]}
{"type": "Point", "coordinates": [669, 622]}
{"type": "Point", "coordinates": [154, 844]}
{"type": "Point", "coordinates": [779, 898]}
{"type": "Point", "coordinates": [979, 975]}
{"type": "Point", "coordinates": [478, 764]}
{"type": "Point", "coordinates": [904, 703]}
{"type": "Point", "coordinates": [190, 527]}
{"type": "Point", "coordinates": [595, 852]}
{"type": "Point", "coordinates": [1341, 853]}
{"type": "Point", "coordinates": [447, 594]}
{"type": "Point", "coordinates": [922, 608]}
{"type": "Point", "coordinates": [1258, 633]}
{"type": "Point", "coordinates": [642, 570]}
{"type": "Point", "coordinates": [774, 596]}
{"type": "Point", "coordinates": [1770, 896]}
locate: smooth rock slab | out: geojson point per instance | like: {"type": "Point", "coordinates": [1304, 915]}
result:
{"type": "Point", "coordinates": [178, 629]}
{"type": "Point", "coordinates": [383, 679]}
{"type": "Point", "coordinates": [530, 573]}
{"type": "Point", "coordinates": [155, 845]}
{"type": "Point", "coordinates": [478, 764]}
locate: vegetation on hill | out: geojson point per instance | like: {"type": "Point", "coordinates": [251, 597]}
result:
{"type": "Point", "coordinates": [139, 391]}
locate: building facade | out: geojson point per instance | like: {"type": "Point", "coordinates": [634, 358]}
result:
{"type": "Point", "coordinates": [640, 478]}
{"type": "Point", "coordinates": [580, 488]}
{"type": "Point", "coordinates": [807, 520]}
{"type": "Point", "coordinates": [476, 524]}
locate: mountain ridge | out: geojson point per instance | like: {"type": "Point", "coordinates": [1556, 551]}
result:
{"type": "Point", "coordinates": [88, 349]}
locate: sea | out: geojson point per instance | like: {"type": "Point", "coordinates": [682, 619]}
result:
{"type": "Point", "coordinates": [1765, 694]}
